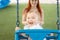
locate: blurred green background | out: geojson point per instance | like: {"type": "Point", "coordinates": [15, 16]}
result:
{"type": "Point", "coordinates": [8, 19]}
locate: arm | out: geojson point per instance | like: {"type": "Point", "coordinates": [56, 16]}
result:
{"type": "Point", "coordinates": [23, 19]}
{"type": "Point", "coordinates": [24, 14]}
{"type": "Point", "coordinates": [42, 19]}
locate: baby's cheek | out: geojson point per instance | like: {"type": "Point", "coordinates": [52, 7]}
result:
{"type": "Point", "coordinates": [35, 21]}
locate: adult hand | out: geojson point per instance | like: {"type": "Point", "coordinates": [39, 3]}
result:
{"type": "Point", "coordinates": [41, 23]}
{"type": "Point", "coordinates": [17, 28]}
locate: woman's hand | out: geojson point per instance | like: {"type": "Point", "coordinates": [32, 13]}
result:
{"type": "Point", "coordinates": [42, 22]}
{"type": "Point", "coordinates": [17, 28]}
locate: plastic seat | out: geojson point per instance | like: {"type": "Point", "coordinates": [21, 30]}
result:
{"type": "Point", "coordinates": [4, 3]}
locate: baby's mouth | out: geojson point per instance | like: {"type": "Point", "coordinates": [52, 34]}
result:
{"type": "Point", "coordinates": [30, 22]}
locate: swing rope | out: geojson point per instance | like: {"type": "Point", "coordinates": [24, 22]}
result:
{"type": "Point", "coordinates": [58, 22]}
{"type": "Point", "coordinates": [17, 20]}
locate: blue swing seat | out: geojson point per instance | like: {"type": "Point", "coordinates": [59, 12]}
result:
{"type": "Point", "coordinates": [4, 3]}
{"type": "Point", "coordinates": [38, 34]}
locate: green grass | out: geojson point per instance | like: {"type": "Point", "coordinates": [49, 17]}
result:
{"type": "Point", "coordinates": [8, 19]}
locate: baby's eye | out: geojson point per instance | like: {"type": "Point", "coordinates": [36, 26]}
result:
{"type": "Point", "coordinates": [28, 18]}
{"type": "Point", "coordinates": [33, 0]}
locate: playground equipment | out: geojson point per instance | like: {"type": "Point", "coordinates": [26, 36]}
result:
{"type": "Point", "coordinates": [58, 22]}
{"type": "Point", "coordinates": [4, 3]}
{"type": "Point", "coordinates": [37, 34]}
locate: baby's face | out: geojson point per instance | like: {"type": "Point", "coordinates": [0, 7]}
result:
{"type": "Point", "coordinates": [32, 18]}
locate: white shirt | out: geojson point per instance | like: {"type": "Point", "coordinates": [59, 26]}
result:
{"type": "Point", "coordinates": [37, 26]}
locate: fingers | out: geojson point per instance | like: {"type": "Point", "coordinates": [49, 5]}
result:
{"type": "Point", "coordinates": [17, 28]}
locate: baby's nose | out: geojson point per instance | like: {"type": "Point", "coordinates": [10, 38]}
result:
{"type": "Point", "coordinates": [30, 19]}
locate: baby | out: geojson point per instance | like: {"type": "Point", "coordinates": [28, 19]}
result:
{"type": "Point", "coordinates": [32, 21]}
